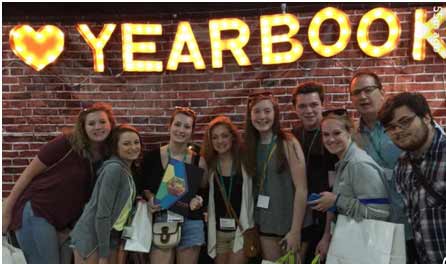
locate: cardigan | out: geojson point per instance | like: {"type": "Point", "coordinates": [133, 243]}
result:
{"type": "Point", "coordinates": [246, 214]}
{"type": "Point", "coordinates": [110, 195]}
{"type": "Point", "coordinates": [358, 177]}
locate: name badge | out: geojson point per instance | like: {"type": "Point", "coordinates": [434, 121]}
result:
{"type": "Point", "coordinates": [263, 201]}
{"type": "Point", "coordinates": [227, 223]}
{"type": "Point", "coordinates": [174, 217]}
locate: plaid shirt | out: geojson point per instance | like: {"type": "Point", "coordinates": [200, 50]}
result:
{"type": "Point", "coordinates": [426, 214]}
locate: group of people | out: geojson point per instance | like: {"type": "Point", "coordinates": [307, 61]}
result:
{"type": "Point", "coordinates": [391, 166]}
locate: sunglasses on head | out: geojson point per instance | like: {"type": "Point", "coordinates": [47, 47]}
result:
{"type": "Point", "coordinates": [337, 111]}
{"type": "Point", "coordinates": [184, 109]}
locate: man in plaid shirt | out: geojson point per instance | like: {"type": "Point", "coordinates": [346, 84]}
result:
{"type": "Point", "coordinates": [420, 172]}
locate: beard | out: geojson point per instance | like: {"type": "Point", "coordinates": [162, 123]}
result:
{"type": "Point", "coordinates": [418, 141]}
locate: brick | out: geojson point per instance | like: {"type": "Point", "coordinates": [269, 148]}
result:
{"type": "Point", "coordinates": [38, 105]}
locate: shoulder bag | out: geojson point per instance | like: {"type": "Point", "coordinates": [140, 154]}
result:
{"type": "Point", "coordinates": [251, 237]}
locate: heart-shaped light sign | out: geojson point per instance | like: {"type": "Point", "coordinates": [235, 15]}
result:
{"type": "Point", "coordinates": [37, 49]}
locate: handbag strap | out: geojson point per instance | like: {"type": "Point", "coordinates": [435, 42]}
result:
{"type": "Point", "coordinates": [229, 209]}
{"type": "Point", "coordinates": [422, 180]}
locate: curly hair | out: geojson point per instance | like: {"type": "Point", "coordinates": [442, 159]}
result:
{"type": "Point", "coordinates": [208, 150]}
{"type": "Point", "coordinates": [306, 88]}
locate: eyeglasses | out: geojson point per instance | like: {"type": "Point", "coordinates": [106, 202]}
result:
{"type": "Point", "coordinates": [368, 90]}
{"type": "Point", "coordinates": [401, 124]}
{"type": "Point", "coordinates": [337, 111]}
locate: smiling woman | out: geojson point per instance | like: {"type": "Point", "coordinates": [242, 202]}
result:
{"type": "Point", "coordinates": [276, 160]}
{"type": "Point", "coordinates": [62, 173]}
{"type": "Point", "coordinates": [359, 190]}
{"type": "Point", "coordinates": [97, 234]}
{"type": "Point", "coordinates": [230, 207]}
{"type": "Point", "coordinates": [185, 209]}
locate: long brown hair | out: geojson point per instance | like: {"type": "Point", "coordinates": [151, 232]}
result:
{"type": "Point", "coordinates": [208, 150]}
{"type": "Point", "coordinates": [252, 135]}
{"type": "Point", "coordinates": [78, 136]}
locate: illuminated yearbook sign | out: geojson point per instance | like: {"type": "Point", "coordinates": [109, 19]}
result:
{"type": "Point", "coordinates": [38, 49]}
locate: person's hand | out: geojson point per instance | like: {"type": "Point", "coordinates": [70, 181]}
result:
{"type": "Point", "coordinates": [326, 201]}
{"type": "Point", "coordinates": [322, 246]}
{"type": "Point", "coordinates": [140, 199]}
{"type": "Point", "coordinates": [291, 241]}
{"type": "Point", "coordinates": [196, 203]}
{"type": "Point", "coordinates": [6, 220]}
{"type": "Point", "coordinates": [153, 208]}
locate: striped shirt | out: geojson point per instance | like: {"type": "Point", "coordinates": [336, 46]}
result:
{"type": "Point", "coordinates": [426, 213]}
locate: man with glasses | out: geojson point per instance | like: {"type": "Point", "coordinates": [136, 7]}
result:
{"type": "Point", "coordinates": [307, 100]}
{"type": "Point", "coordinates": [367, 96]}
{"type": "Point", "coordinates": [420, 172]}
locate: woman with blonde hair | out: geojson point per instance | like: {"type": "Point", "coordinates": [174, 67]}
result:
{"type": "Point", "coordinates": [229, 186]}
{"type": "Point", "coordinates": [359, 191]}
{"type": "Point", "coordinates": [276, 160]}
{"type": "Point", "coordinates": [50, 194]}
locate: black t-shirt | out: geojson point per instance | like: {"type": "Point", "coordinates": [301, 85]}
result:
{"type": "Point", "coordinates": [235, 200]}
{"type": "Point", "coordinates": [152, 172]}
{"type": "Point", "coordinates": [318, 160]}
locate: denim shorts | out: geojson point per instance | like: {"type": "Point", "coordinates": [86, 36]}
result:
{"type": "Point", "coordinates": [192, 231]}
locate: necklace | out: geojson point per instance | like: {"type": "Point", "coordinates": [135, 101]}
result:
{"type": "Point", "coordinates": [169, 156]}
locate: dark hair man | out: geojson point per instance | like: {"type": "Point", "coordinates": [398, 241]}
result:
{"type": "Point", "coordinates": [420, 172]}
{"type": "Point", "coordinates": [307, 100]}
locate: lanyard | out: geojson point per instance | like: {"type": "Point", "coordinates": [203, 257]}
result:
{"type": "Point", "coordinates": [219, 171]}
{"type": "Point", "coordinates": [307, 160]}
{"type": "Point", "coordinates": [270, 150]}
{"type": "Point", "coordinates": [170, 157]}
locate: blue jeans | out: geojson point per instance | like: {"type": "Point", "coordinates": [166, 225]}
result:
{"type": "Point", "coordinates": [37, 238]}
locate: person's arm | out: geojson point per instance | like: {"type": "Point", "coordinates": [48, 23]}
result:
{"type": "Point", "coordinates": [32, 170]}
{"type": "Point", "coordinates": [202, 164]}
{"type": "Point", "coordinates": [108, 191]}
{"type": "Point", "coordinates": [324, 243]}
{"type": "Point", "coordinates": [367, 183]}
{"type": "Point", "coordinates": [201, 198]}
{"type": "Point", "coordinates": [296, 162]}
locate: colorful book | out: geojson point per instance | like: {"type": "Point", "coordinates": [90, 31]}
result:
{"type": "Point", "coordinates": [174, 184]}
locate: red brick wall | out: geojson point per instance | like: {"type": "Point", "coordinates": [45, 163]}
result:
{"type": "Point", "coordinates": [37, 105]}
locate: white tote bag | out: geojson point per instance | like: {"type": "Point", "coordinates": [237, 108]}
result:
{"type": "Point", "coordinates": [141, 238]}
{"type": "Point", "coordinates": [11, 254]}
{"type": "Point", "coordinates": [366, 242]}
